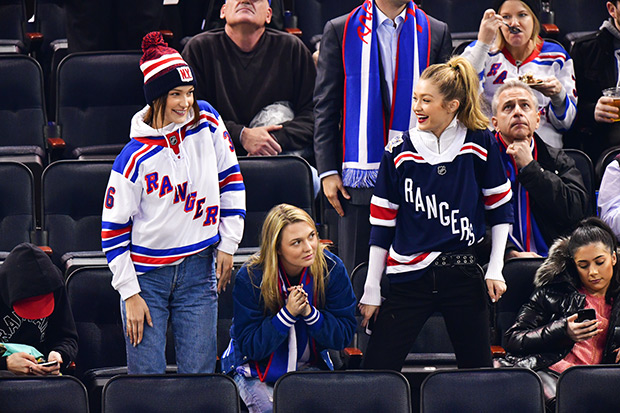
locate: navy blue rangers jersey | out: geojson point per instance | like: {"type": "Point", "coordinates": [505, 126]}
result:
{"type": "Point", "coordinates": [427, 203]}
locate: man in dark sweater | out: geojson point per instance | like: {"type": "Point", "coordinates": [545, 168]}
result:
{"type": "Point", "coordinates": [245, 67]}
{"type": "Point", "coordinates": [34, 311]}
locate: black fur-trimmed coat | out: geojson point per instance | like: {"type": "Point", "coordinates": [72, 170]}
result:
{"type": "Point", "coordinates": [539, 338]}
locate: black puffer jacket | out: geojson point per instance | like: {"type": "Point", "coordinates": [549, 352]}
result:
{"type": "Point", "coordinates": [539, 338]}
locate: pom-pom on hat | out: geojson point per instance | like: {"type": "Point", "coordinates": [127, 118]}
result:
{"type": "Point", "coordinates": [163, 67]}
{"type": "Point", "coordinates": [532, 4]}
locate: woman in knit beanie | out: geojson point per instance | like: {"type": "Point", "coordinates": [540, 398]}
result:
{"type": "Point", "coordinates": [509, 46]}
{"type": "Point", "coordinates": [175, 201]}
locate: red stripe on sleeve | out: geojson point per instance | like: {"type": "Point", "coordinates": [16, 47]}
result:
{"type": "Point", "coordinates": [133, 161]}
{"type": "Point", "coordinates": [382, 213]}
{"type": "Point", "coordinates": [236, 177]}
{"type": "Point", "coordinates": [492, 199]}
{"type": "Point", "coordinates": [114, 233]}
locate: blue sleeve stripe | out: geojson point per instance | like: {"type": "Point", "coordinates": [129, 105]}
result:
{"type": "Point", "coordinates": [548, 62]}
{"type": "Point", "coordinates": [200, 127]}
{"type": "Point", "coordinates": [114, 225]}
{"type": "Point", "coordinates": [232, 187]}
{"type": "Point", "coordinates": [115, 241]}
{"type": "Point", "coordinates": [565, 109]}
{"type": "Point", "coordinates": [233, 169]}
{"type": "Point", "coordinates": [231, 212]}
{"type": "Point", "coordinates": [110, 255]}
{"type": "Point", "coordinates": [121, 161]}
{"type": "Point", "coordinates": [188, 249]}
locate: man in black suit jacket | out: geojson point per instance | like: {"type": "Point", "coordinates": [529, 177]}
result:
{"type": "Point", "coordinates": [353, 203]}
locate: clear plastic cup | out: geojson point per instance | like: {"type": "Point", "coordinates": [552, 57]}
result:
{"type": "Point", "coordinates": [614, 92]}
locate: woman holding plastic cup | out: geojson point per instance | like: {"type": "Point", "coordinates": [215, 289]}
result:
{"type": "Point", "coordinates": [509, 46]}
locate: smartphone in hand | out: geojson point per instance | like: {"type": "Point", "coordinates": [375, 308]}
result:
{"type": "Point", "coordinates": [585, 315]}
{"type": "Point", "coordinates": [48, 363]}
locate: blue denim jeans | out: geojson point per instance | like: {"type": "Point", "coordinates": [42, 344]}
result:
{"type": "Point", "coordinates": [186, 294]}
{"type": "Point", "coordinates": [257, 395]}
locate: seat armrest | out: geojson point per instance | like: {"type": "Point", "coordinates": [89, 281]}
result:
{"type": "Point", "coordinates": [498, 351]}
{"type": "Point", "coordinates": [294, 31]}
{"type": "Point", "coordinates": [168, 35]}
{"type": "Point", "coordinates": [352, 358]}
{"type": "Point", "coordinates": [33, 41]}
{"type": "Point", "coordinates": [46, 249]}
{"type": "Point", "coordinates": [56, 143]}
{"type": "Point", "coordinates": [51, 131]}
{"type": "Point", "coordinates": [550, 29]}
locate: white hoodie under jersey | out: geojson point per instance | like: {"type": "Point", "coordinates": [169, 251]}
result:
{"type": "Point", "coordinates": [172, 193]}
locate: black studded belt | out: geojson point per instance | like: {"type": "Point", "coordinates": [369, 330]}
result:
{"type": "Point", "coordinates": [454, 258]}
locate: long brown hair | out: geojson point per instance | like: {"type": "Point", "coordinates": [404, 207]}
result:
{"type": "Point", "coordinates": [157, 109]}
{"type": "Point", "coordinates": [267, 258]}
{"type": "Point", "coordinates": [589, 231]}
{"type": "Point", "coordinates": [457, 80]}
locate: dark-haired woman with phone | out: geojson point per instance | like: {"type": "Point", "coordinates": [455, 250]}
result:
{"type": "Point", "coordinates": [581, 273]}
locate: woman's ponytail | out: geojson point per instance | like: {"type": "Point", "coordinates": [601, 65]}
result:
{"type": "Point", "coordinates": [457, 80]}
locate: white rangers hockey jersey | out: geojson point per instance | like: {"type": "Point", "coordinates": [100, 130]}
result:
{"type": "Point", "coordinates": [172, 193]}
{"type": "Point", "coordinates": [548, 59]}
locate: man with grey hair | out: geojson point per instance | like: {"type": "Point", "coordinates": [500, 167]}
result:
{"type": "Point", "coordinates": [549, 197]}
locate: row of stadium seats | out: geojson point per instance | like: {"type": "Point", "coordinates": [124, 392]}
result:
{"type": "Point", "coordinates": [96, 96]}
{"type": "Point", "coordinates": [102, 355]}
{"type": "Point", "coordinates": [581, 389]}
{"type": "Point", "coordinates": [72, 193]}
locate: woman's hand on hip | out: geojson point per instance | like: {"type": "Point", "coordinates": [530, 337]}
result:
{"type": "Point", "coordinates": [223, 270]}
{"type": "Point", "coordinates": [368, 311]}
{"type": "Point", "coordinates": [136, 311]}
{"type": "Point", "coordinates": [496, 289]}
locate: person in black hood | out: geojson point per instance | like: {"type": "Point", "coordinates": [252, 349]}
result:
{"type": "Point", "coordinates": [581, 272]}
{"type": "Point", "coordinates": [34, 310]}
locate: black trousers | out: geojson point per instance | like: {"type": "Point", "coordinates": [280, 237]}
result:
{"type": "Point", "coordinates": [354, 228]}
{"type": "Point", "coordinates": [458, 292]}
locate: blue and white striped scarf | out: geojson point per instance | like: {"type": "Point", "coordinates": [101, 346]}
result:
{"type": "Point", "coordinates": [364, 120]}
